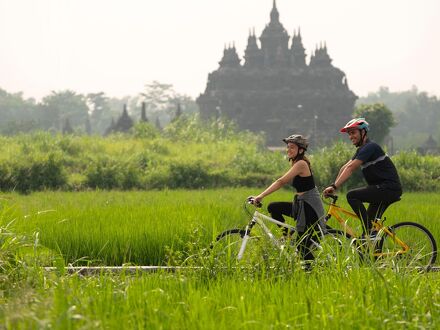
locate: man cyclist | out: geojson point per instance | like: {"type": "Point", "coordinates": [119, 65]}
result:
{"type": "Point", "coordinates": [378, 170]}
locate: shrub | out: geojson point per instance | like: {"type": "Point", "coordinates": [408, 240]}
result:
{"type": "Point", "coordinates": [327, 161]}
{"type": "Point", "coordinates": [38, 173]}
{"type": "Point", "coordinates": [190, 176]}
{"type": "Point", "coordinates": [418, 173]}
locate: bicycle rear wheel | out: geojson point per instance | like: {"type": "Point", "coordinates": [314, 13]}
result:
{"type": "Point", "coordinates": [418, 250]}
{"type": "Point", "coordinates": [258, 251]}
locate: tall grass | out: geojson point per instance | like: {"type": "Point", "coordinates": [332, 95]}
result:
{"type": "Point", "coordinates": [188, 154]}
{"type": "Point", "coordinates": [115, 228]}
{"type": "Point", "coordinates": [356, 299]}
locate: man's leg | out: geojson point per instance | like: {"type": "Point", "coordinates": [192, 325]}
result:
{"type": "Point", "coordinates": [356, 198]}
{"type": "Point", "coordinates": [378, 198]}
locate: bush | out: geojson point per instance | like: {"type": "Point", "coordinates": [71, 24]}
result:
{"type": "Point", "coordinates": [38, 173]}
{"type": "Point", "coordinates": [189, 176]}
{"type": "Point", "coordinates": [418, 173]}
{"type": "Point", "coordinates": [327, 161]}
{"type": "Point", "coordinates": [189, 154]}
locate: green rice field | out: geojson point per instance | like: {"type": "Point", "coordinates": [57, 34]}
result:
{"type": "Point", "coordinates": [154, 228]}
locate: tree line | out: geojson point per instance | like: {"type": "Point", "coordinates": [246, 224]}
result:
{"type": "Point", "coordinates": [189, 153]}
{"type": "Point", "coordinates": [91, 113]}
{"type": "Point", "coordinates": [411, 117]}
{"type": "Point", "coordinates": [416, 115]}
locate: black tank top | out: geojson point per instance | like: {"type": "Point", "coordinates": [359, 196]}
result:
{"type": "Point", "coordinates": [303, 183]}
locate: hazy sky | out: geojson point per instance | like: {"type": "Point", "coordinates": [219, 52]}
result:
{"type": "Point", "coordinates": [118, 46]}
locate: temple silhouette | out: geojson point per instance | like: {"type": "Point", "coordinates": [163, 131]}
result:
{"type": "Point", "coordinates": [276, 91]}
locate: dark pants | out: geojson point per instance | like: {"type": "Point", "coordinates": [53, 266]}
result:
{"type": "Point", "coordinates": [378, 198]}
{"type": "Point", "coordinates": [278, 209]}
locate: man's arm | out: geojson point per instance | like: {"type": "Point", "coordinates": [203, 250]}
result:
{"type": "Point", "coordinates": [347, 171]}
{"type": "Point", "coordinates": [342, 169]}
{"type": "Point", "coordinates": [344, 173]}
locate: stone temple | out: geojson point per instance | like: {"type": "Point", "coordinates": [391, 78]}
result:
{"type": "Point", "coordinates": [277, 91]}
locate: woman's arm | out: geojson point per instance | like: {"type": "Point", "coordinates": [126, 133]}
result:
{"type": "Point", "coordinates": [297, 169]}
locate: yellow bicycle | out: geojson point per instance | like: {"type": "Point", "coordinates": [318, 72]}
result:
{"type": "Point", "coordinates": [407, 244]}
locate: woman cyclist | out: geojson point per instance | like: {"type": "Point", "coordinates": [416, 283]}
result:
{"type": "Point", "coordinates": [306, 207]}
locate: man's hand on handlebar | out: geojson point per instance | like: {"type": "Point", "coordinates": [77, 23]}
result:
{"type": "Point", "coordinates": [330, 190]}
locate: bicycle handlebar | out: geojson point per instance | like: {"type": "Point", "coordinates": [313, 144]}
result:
{"type": "Point", "coordinates": [333, 197]}
{"type": "Point", "coordinates": [251, 200]}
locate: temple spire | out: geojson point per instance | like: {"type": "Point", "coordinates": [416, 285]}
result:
{"type": "Point", "coordinates": [274, 15]}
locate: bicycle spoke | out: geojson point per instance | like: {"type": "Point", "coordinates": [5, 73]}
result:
{"type": "Point", "coordinates": [418, 249]}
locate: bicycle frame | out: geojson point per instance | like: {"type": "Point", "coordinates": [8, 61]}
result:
{"type": "Point", "coordinates": [336, 211]}
{"type": "Point", "coordinates": [259, 218]}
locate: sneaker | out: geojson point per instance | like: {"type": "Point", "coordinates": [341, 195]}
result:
{"type": "Point", "coordinates": [365, 240]}
{"type": "Point", "coordinates": [370, 237]}
{"type": "Point", "coordinates": [306, 265]}
{"type": "Point", "coordinates": [282, 241]}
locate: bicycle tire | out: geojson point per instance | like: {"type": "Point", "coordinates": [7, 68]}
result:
{"type": "Point", "coordinates": [422, 251]}
{"type": "Point", "coordinates": [258, 252]}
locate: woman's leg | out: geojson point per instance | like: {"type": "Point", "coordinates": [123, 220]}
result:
{"type": "Point", "coordinates": [311, 220]}
{"type": "Point", "coordinates": [278, 209]}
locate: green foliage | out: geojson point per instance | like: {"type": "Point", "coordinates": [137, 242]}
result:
{"type": "Point", "coordinates": [192, 129]}
{"type": "Point", "coordinates": [60, 106]}
{"type": "Point", "coordinates": [31, 172]}
{"type": "Point", "coordinates": [379, 117]}
{"type": "Point", "coordinates": [16, 113]}
{"type": "Point", "coordinates": [327, 161]}
{"type": "Point", "coordinates": [107, 173]}
{"type": "Point", "coordinates": [418, 173]}
{"type": "Point", "coordinates": [189, 153]}
{"type": "Point", "coordinates": [146, 130]}
{"type": "Point", "coordinates": [113, 228]}
{"type": "Point", "coordinates": [415, 112]}
{"type": "Point", "coordinates": [188, 176]}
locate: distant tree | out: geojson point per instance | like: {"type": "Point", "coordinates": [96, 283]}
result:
{"type": "Point", "coordinates": [158, 96]}
{"type": "Point", "coordinates": [110, 128]}
{"type": "Point", "coordinates": [88, 126]}
{"type": "Point", "coordinates": [379, 117]}
{"type": "Point", "coordinates": [58, 106]}
{"type": "Point", "coordinates": [144, 113]}
{"type": "Point", "coordinates": [414, 111]}
{"type": "Point", "coordinates": [67, 128]}
{"type": "Point", "coordinates": [158, 126]}
{"type": "Point", "coordinates": [162, 100]}
{"type": "Point", "coordinates": [178, 111]}
{"type": "Point", "coordinates": [16, 113]}
{"type": "Point", "coordinates": [100, 111]}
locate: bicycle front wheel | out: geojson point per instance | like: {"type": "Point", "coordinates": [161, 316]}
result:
{"type": "Point", "coordinates": [257, 252]}
{"type": "Point", "coordinates": [410, 245]}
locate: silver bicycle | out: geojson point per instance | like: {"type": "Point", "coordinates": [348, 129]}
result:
{"type": "Point", "coordinates": [262, 243]}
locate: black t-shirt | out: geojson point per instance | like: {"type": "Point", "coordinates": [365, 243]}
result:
{"type": "Point", "coordinates": [377, 167]}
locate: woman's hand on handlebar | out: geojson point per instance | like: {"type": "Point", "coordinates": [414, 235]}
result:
{"type": "Point", "coordinates": [254, 200]}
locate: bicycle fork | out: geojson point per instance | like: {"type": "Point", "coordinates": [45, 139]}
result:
{"type": "Point", "coordinates": [246, 236]}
